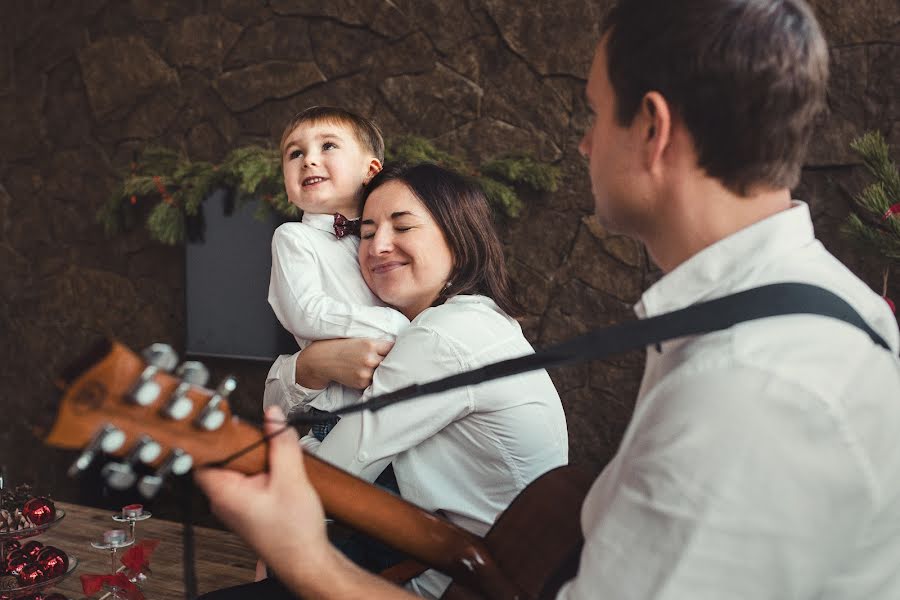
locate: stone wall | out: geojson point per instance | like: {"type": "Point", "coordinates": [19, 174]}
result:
{"type": "Point", "coordinates": [84, 84]}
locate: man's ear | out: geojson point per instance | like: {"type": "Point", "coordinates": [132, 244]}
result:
{"type": "Point", "coordinates": [374, 168]}
{"type": "Point", "coordinates": [656, 118]}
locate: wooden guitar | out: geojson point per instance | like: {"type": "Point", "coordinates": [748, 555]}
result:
{"type": "Point", "coordinates": [116, 404]}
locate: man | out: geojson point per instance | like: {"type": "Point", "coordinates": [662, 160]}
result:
{"type": "Point", "coordinates": [760, 461]}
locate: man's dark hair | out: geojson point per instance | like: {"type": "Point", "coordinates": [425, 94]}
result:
{"type": "Point", "coordinates": [747, 77]}
{"type": "Point", "coordinates": [366, 131]}
{"type": "Point", "coordinates": [461, 210]}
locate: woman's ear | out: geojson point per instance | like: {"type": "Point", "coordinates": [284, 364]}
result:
{"type": "Point", "coordinates": [657, 125]}
{"type": "Point", "coordinates": [374, 168]}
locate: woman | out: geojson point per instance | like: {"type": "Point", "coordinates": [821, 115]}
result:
{"type": "Point", "coordinates": [428, 248]}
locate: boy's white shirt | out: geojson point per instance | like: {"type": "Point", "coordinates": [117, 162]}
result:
{"type": "Point", "coordinates": [317, 292]}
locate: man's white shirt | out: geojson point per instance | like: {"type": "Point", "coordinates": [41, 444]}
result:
{"type": "Point", "coordinates": [761, 462]}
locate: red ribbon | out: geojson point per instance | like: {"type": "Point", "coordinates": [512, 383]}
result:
{"type": "Point", "coordinates": [91, 584]}
{"type": "Point", "coordinates": [137, 558]}
{"type": "Point", "coordinates": [893, 210]}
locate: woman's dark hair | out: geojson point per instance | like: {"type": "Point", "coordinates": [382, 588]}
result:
{"type": "Point", "coordinates": [461, 210]}
{"type": "Point", "coordinates": [748, 78]}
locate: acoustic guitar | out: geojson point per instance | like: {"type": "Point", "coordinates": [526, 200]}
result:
{"type": "Point", "coordinates": [115, 404]}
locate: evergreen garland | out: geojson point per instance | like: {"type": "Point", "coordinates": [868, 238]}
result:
{"type": "Point", "coordinates": [178, 186]}
{"type": "Point", "coordinates": [876, 223]}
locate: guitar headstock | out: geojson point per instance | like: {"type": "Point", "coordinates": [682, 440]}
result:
{"type": "Point", "coordinates": [135, 408]}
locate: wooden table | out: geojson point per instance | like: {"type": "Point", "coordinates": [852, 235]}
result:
{"type": "Point", "coordinates": [222, 558]}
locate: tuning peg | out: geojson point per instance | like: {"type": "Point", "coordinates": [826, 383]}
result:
{"type": "Point", "coordinates": [161, 356]}
{"type": "Point", "coordinates": [121, 475]}
{"type": "Point", "coordinates": [178, 462]}
{"type": "Point", "coordinates": [108, 439]}
{"type": "Point", "coordinates": [145, 391]}
{"type": "Point", "coordinates": [192, 373]}
{"type": "Point", "coordinates": [212, 417]}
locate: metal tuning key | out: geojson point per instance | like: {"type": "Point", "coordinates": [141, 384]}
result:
{"type": "Point", "coordinates": [122, 475]}
{"type": "Point", "coordinates": [212, 417]}
{"type": "Point", "coordinates": [108, 439]}
{"type": "Point", "coordinates": [178, 462]}
{"type": "Point", "coordinates": [191, 373]}
{"type": "Point", "coordinates": [145, 391]}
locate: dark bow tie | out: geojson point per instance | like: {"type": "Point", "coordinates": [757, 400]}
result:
{"type": "Point", "coordinates": [344, 226]}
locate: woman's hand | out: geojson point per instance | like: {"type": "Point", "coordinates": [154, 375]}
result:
{"type": "Point", "coordinates": [350, 362]}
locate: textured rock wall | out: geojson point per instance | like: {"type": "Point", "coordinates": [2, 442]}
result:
{"type": "Point", "coordinates": [83, 84]}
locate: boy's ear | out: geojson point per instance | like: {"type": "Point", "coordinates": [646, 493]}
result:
{"type": "Point", "coordinates": [374, 168]}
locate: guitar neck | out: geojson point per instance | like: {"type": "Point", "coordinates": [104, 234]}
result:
{"type": "Point", "coordinates": [97, 392]}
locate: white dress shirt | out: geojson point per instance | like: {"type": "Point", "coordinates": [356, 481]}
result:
{"type": "Point", "coordinates": [761, 462]}
{"type": "Point", "coordinates": [317, 293]}
{"type": "Point", "coordinates": [467, 452]}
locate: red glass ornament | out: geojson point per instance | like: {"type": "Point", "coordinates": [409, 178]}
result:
{"type": "Point", "coordinates": [30, 574]}
{"type": "Point", "coordinates": [32, 549]}
{"type": "Point", "coordinates": [54, 561]}
{"type": "Point", "coordinates": [16, 561]}
{"type": "Point", "coordinates": [39, 510]}
{"type": "Point", "coordinates": [13, 545]}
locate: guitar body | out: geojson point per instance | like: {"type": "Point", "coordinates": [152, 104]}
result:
{"type": "Point", "coordinates": [537, 541]}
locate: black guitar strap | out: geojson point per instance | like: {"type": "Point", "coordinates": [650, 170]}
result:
{"type": "Point", "coordinates": [772, 300]}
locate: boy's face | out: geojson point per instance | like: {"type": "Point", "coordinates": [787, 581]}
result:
{"type": "Point", "coordinates": [324, 166]}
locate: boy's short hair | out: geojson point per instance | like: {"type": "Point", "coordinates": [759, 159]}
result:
{"type": "Point", "coordinates": [747, 77]}
{"type": "Point", "coordinates": [365, 130]}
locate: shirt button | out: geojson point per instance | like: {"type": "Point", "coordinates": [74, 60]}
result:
{"type": "Point", "coordinates": [362, 456]}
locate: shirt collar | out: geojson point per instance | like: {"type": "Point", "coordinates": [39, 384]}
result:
{"type": "Point", "coordinates": [320, 222]}
{"type": "Point", "coordinates": [728, 261]}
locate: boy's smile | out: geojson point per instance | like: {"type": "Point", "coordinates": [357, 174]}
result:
{"type": "Point", "coordinates": [324, 167]}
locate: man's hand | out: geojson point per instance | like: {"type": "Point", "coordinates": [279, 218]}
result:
{"type": "Point", "coordinates": [350, 362]}
{"type": "Point", "coordinates": [277, 513]}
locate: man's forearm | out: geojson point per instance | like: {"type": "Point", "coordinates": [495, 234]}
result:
{"type": "Point", "coordinates": [338, 578]}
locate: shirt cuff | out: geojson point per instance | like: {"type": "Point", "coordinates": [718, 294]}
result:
{"type": "Point", "coordinates": [282, 388]}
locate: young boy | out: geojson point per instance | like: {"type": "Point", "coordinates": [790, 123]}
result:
{"type": "Point", "coordinates": [316, 289]}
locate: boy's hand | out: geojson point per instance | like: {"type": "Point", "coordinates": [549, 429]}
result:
{"type": "Point", "coordinates": [350, 362]}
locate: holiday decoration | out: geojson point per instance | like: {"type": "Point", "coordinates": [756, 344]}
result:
{"type": "Point", "coordinates": [876, 222]}
{"type": "Point", "coordinates": [31, 574]}
{"type": "Point", "coordinates": [17, 561]}
{"type": "Point", "coordinates": [54, 561]}
{"type": "Point", "coordinates": [32, 549]}
{"type": "Point", "coordinates": [39, 510]}
{"type": "Point", "coordinates": [173, 187]}
{"type": "Point", "coordinates": [28, 568]}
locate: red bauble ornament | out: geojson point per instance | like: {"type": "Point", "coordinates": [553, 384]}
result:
{"type": "Point", "coordinates": [39, 510]}
{"type": "Point", "coordinates": [30, 574]}
{"type": "Point", "coordinates": [16, 561]}
{"type": "Point", "coordinates": [13, 545]}
{"type": "Point", "coordinates": [54, 561]}
{"type": "Point", "coordinates": [32, 549]}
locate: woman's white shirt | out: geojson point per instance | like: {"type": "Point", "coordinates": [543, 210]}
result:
{"type": "Point", "coordinates": [467, 452]}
